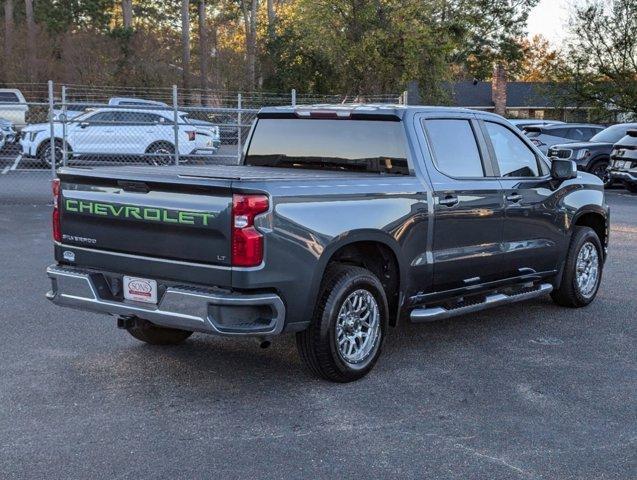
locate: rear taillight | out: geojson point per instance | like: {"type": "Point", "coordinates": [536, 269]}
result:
{"type": "Point", "coordinates": [57, 197]}
{"type": "Point", "coordinates": [247, 241]}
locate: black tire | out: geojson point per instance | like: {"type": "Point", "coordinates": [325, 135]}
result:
{"type": "Point", "coordinates": [161, 154]}
{"type": "Point", "coordinates": [147, 332]}
{"type": "Point", "coordinates": [600, 170]}
{"type": "Point", "coordinates": [44, 153]}
{"type": "Point", "coordinates": [318, 346]}
{"type": "Point", "coordinates": [631, 187]}
{"type": "Point", "coordinates": [569, 293]}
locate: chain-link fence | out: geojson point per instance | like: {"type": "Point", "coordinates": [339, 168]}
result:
{"type": "Point", "coordinates": [44, 127]}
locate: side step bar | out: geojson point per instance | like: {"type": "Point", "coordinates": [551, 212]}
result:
{"type": "Point", "coordinates": [422, 315]}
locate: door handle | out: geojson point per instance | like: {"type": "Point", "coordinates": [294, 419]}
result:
{"type": "Point", "coordinates": [514, 197]}
{"type": "Point", "coordinates": [449, 200]}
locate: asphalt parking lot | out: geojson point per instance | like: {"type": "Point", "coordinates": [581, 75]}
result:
{"type": "Point", "coordinates": [528, 391]}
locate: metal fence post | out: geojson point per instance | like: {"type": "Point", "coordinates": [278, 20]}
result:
{"type": "Point", "coordinates": [52, 128]}
{"type": "Point", "coordinates": [63, 118]}
{"type": "Point", "coordinates": [294, 97]}
{"type": "Point", "coordinates": [239, 147]}
{"type": "Point", "coordinates": [176, 119]}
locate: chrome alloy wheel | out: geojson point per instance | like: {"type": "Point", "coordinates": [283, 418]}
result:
{"type": "Point", "coordinates": [358, 327]}
{"type": "Point", "coordinates": [587, 270]}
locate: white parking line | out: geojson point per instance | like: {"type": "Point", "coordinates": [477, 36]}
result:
{"type": "Point", "coordinates": [17, 161]}
{"type": "Point", "coordinates": [10, 168]}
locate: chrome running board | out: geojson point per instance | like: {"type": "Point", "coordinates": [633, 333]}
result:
{"type": "Point", "coordinates": [422, 315]}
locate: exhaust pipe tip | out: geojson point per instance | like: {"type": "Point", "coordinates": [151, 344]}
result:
{"type": "Point", "coordinates": [264, 343]}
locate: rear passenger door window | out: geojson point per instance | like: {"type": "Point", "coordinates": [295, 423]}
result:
{"type": "Point", "coordinates": [514, 157]}
{"type": "Point", "coordinates": [454, 147]}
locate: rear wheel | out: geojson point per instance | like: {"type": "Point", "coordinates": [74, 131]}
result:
{"type": "Point", "coordinates": [147, 332]}
{"type": "Point", "coordinates": [161, 154]}
{"type": "Point", "coordinates": [582, 270]}
{"type": "Point", "coordinates": [344, 340]}
{"type": "Point", "coordinates": [600, 169]}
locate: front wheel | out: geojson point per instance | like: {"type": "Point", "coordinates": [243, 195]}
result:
{"type": "Point", "coordinates": [344, 340]}
{"type": "Point", "coordinates": [582, 270]}
{"type": "Point", "coordinates": [600, 170]}
{"type": "Point", "coordinates": [45, 156]}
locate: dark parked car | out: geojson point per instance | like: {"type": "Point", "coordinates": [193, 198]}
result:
{"type": "Point", "coordinates": [340, 222]}
{"type": "Point", "coordinates": [544, 137]}
{"type": "Point", "coordinates": [623, 166]}
{"type": "Point", "coordinates": [593, 156]}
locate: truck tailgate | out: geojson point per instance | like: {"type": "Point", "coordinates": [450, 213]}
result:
{"type": "Point", "coordinates": [148, 217]}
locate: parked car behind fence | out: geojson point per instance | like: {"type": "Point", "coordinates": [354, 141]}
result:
{"type": "Point", "coordinates": [8, 131]}
{"type": "Point", "coordinates": [13, 107]}
{"type": "Point", "coordinates": [113, 133]}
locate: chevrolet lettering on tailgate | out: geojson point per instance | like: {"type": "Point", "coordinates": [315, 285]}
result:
{"type": "Point", "coordinates": [130, 212]}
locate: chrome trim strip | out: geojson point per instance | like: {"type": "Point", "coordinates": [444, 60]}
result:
{"type": "Point", "coordinates": [421, 315]}
{"type": "Point", "coordinates": [180, 308]}
{"type": "Point", "coordinates": [142, 257]}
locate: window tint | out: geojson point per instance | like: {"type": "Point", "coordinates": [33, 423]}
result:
{"type": "Point", "coordinates": [137, 117]}
{"type": "Point", "coordinates": [613, 134]}
{"type": "Point", "coordinates": [106, 117]}
{"type": "Point", "coordinates": [455, 148]}
{"type": "Point", "coordinates": [348, 145]}
{"type": "Point", "coordinates": [8, 97]}
{"type": "Point", "coordinates": [514, 157]}
{"type": "Point", "coordinates": [558, 132]}
{"type": "Point", "coordinates": [579, 134]}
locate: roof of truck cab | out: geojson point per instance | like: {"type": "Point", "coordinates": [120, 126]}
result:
{"type": "Point", "coordinates": [368, 109]}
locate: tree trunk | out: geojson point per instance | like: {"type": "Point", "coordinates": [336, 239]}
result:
{"type": "Point", "coordinates": [203, 45]}
{"type": "Point", "coordinates": [8, 36]}
{"type": "Point", "coordinates": [250, 20]}
{"type": "Point", "coordinates": [30, 21]}
{"type": "Point", "coordinates": [185, 43]}
{"type": "Point", "coordinates": [127, 13]}
{"type": "Point", "coordinates": [271, 21]}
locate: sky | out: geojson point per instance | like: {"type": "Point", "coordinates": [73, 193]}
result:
{"type": "Point", "coordinates": [550, 18]}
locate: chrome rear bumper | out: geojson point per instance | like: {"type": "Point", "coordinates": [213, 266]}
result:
{"type": "Point", "coordinates": [184, 307]}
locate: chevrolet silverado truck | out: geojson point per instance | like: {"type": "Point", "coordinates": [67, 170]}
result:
{"type": "Point", "coordinates": [339, 223]}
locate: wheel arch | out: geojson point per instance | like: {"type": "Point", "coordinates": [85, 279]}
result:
{"type": "Point", "coordinates": [160, 142]}
{"type": "Point", "coordinates": [372, 249]}
{"type": "Point", "coordinates": [43, 143]}
{"type": "Point", "coordinates": [597, 158]}
{"type": "Point", "coordinates": [595, 217]}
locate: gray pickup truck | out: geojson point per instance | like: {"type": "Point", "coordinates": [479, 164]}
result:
{"type": "Point", "coordinates": [339, 223]}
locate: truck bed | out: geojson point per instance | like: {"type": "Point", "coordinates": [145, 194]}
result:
{"type": "Point", "coordinates": [203, 174]}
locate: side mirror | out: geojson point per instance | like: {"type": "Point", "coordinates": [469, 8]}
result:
{"type": "Point", "coordinates": [84, 124]}
{"type": "Point", "coordinates": [563, 169]}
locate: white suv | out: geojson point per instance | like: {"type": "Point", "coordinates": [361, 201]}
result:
{"type": "Point", "coordinates": [149, 134]}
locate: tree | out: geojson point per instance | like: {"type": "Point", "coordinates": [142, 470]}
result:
{"type": "Point", "coordinates": [185, 43]}
{"type": "Point", "coordinates": [8, 31]}
{"type": "Point", "coordinates": [203, 45]}
{"type": "Point", "coordinates": [249, 10]}
{"type": "Point", "coordinates": [603, 56]}
{"type": "Point", "coordinates": [491, 31]}
{"type": "Point", "coordinates": [127, 13]}
{"type": "Point", "coordinates": [540, 62]}
{"type": "Point", "coordinates": [31, 39]}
